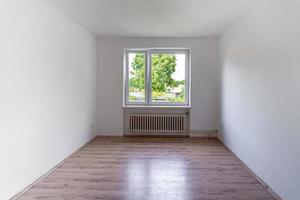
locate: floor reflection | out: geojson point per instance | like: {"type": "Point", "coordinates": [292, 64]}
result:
{"type": "Point", "coordinates": [157, 179]}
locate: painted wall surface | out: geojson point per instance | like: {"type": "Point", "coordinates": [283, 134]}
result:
{"type": "Point", "coordinates": [261, 93]}
{"type": "Point", "coordinates": [48, 86]}
{"type": "Point", "coordinates": [205, 80]}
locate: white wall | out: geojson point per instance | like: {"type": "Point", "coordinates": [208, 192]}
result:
{"type": "Point", "coordinates": [205, 80]}
{"type": "Point", "coordinates": [261, 93]}
{"type": "Point", "coordinates": [48, 82]}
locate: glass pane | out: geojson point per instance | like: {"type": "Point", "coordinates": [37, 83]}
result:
{"type": "Point", "coordinates": [136, 77]}
{"type": "Point", "coordinates": [168, 77]}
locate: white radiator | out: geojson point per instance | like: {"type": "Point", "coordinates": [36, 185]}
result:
{"type": "Point", "coordinates": [158, 124]}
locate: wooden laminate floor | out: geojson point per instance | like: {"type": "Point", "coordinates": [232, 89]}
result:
{"type": "Point", "coordinates": [150, 169]}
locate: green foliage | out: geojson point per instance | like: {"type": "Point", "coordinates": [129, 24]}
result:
{"type": "Point", "coordinates": [163, 66]}
{"type": "Point", "coordinates": [137, 81]}
{"type": "Point", "coordinates": [163, 96]}
{"type": "Point", "coordinates": [132, 98]}
{"type": "Point", "coordinates": [178, 99]}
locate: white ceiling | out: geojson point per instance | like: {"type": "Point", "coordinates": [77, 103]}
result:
{"type": "Point", "coordinates": [154, 18]}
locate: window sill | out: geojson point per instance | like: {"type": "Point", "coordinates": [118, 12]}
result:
{"type": "Point", "coordinates": [155, 106]}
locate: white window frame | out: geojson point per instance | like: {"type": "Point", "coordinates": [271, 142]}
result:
{"type": "Point", "coordinates": [148, 87]}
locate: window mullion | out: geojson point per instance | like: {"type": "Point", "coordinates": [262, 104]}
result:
{"type": "Point", "coordinates": [148, 74]}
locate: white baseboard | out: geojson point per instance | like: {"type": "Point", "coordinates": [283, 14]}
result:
{"type": "Point", "coordinates": [34, 183]}
{"type": "Point", "coordinates": [109, 133]}
{"type": "Point", "coordinates": [204, 133]}
{"type": "Point", "coordinates": [193, 133]}
{"type": "Point", "coordinates": [265, 185]}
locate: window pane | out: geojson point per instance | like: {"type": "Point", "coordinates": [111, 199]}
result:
{"type": "Point", "coordinates": [168, 77]}
{"type": "Point", "coordinates": [136, 77]}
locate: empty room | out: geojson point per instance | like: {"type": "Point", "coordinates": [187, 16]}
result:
{"type": "Point", "coordinates": [150, 99]}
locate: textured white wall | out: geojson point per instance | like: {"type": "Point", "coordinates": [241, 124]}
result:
{"type": "Point", "coordinates": [48, 81]}
{"type": "Point", "coordinates": [261, 93]}
{"type": "Point", "coordinates": [205, 80]}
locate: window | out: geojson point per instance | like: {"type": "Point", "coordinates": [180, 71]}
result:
{"type": "Point", "coordinates": [157, 77]}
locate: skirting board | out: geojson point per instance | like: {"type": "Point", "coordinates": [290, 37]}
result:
{"type": "Point", "coordinates": [193, 133]}
{"type": "Point", "coordinates": [204, 133]}
{"type": "Point", "coordinates": [109, 133]}
{"type": "Point", "coordinates": [16, 196]}
{"type": "Point", "coordinates": [266, 186]}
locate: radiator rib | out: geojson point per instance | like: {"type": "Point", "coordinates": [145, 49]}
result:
{"type": "Point", "coordinates": [157, 124]}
